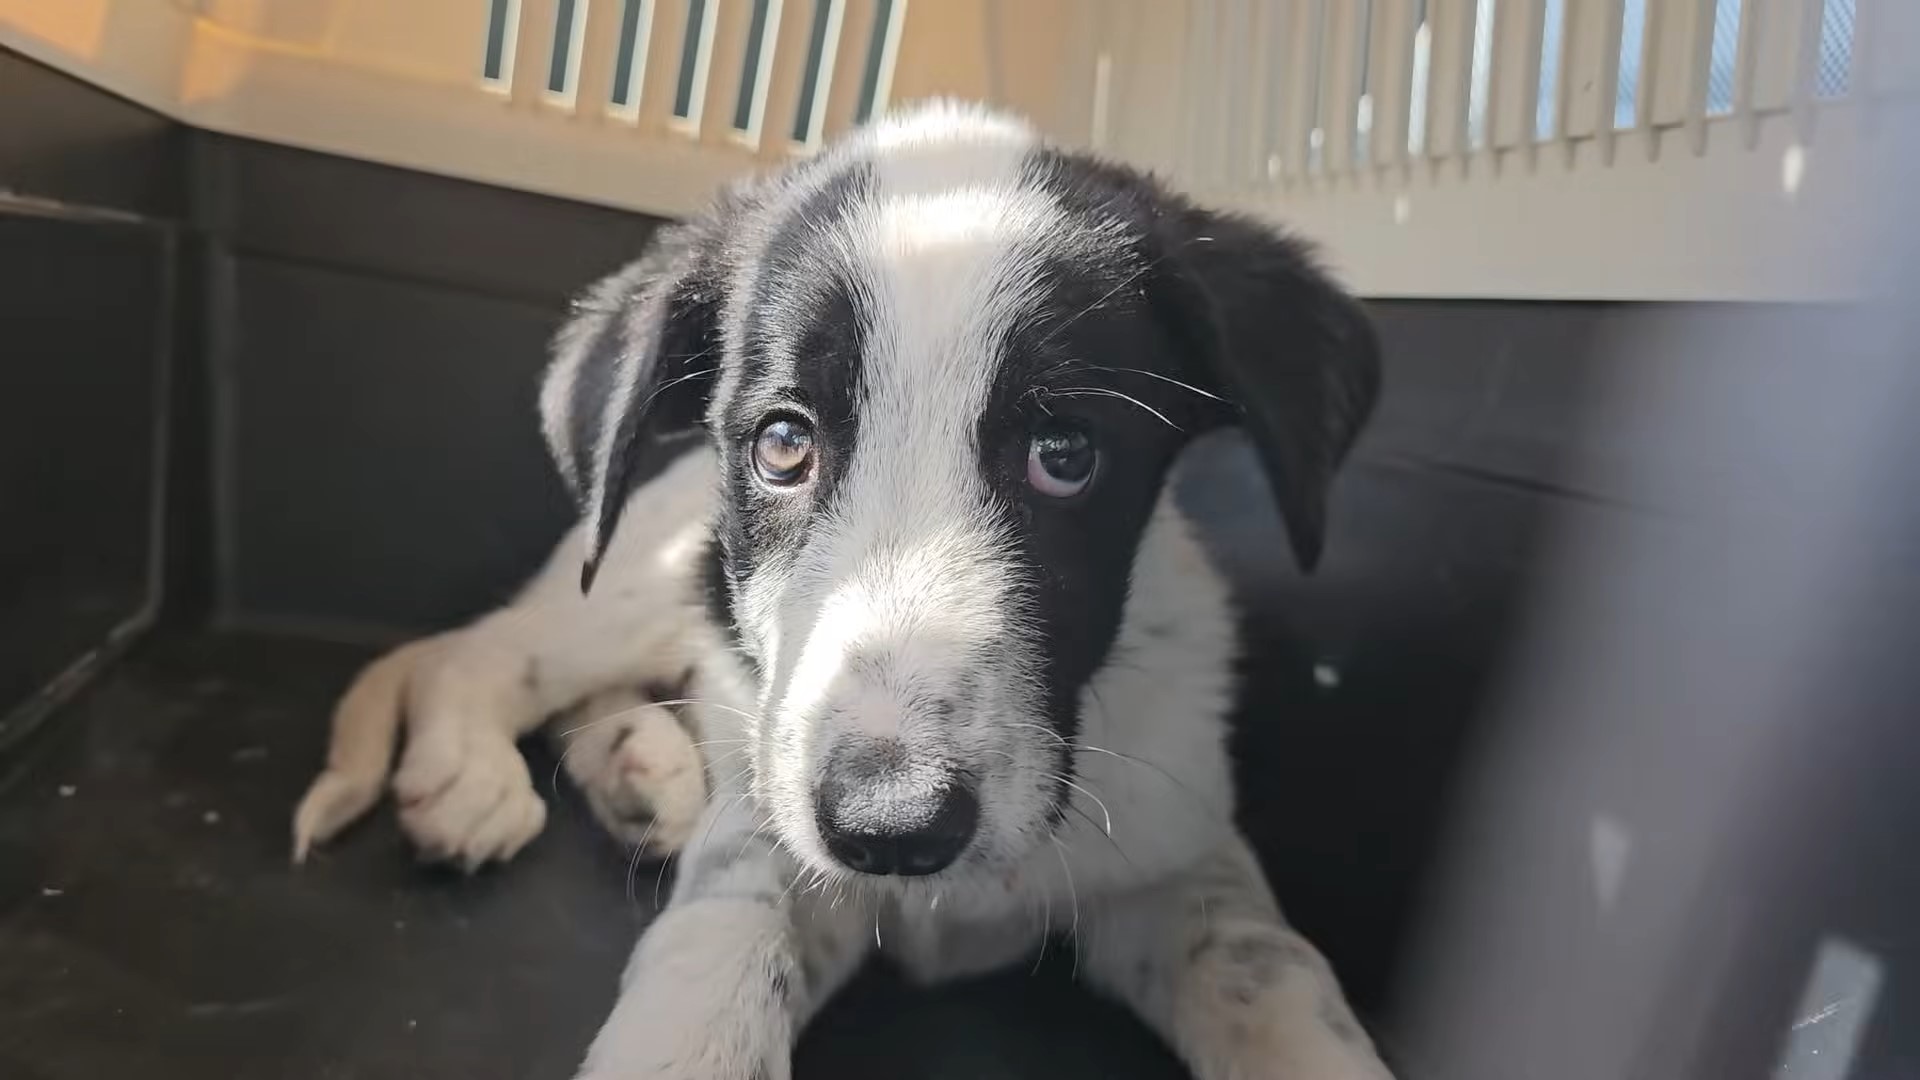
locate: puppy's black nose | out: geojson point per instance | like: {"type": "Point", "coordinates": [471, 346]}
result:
{"type": "Point", "coordinates": [880, 829]}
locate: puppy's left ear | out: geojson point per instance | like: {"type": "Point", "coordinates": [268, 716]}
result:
{"type": "Point", "coordinates": [638, 352]}
{"type": "Point", "coordinates": [1277, 338]}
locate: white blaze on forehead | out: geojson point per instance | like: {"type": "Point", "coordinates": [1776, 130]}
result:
{"type": "Point", "coordinates": [945, 122]}
{"type": "Point", "coordinates": [946, 256]}
{"type": "Point", "coordinates": [923, 149]}
{"type": "Point", "coordinates": [942, 152]}
{"type": "Point", "coordinates": [909, 569]}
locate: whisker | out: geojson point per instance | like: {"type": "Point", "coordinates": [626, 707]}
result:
{"type": "Point", "coordinates": [623, 713]}
{"type": "Point", "coordinates": [570, 744]}
{"type": "Point", "coordinates": [797, 879]}
{"type": "Point", "coordinates": [731, 753]}
{"type": "Point", "coordinates": [599, 720]}
{"type": "Point", "coordinates": [752, 836]}
{"type": "Point", "coordinates": [755, 717]}
{"type": "Point", "coordinates": [1163, 378]}
{"type": "Point", "coordinates": [724, 811]}
{"type": "Point", "coordinates": [737, 776]}
{"type": "Point", "coordinates": [1095, 826]}
{"type": "Point", "coordinates": [1104, 297]}
{"type": "Point", "coordinates": [1200, 802]}
{"type": "Point", "coordinates": [1060, 850]}
{"type": "Point", "coordinates": [703, 743]}
{"type": "Point", "coordinates": [1097, 800]}
{"type": "Point", "coordinates": [553, 782]}
{"type": "Point", "coordinates": [638, 850]}
{"type": "Point", "coordinates": [1046, 932]}
{"type": "Point", "coordinates": [671, 383]}
{"type": "Point", "coordinates": [1101, 391]}
{"type": "Point", "coordinates": [1042, 729]}
{"type": "Point", "coordinates": [659, 878]}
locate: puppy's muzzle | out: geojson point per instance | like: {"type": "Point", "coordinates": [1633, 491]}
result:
{"type": "Point", "coordinates": [879, 814]}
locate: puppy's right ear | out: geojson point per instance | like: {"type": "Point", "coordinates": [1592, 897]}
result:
{"type": "Point", "coordinates": [639, 351]}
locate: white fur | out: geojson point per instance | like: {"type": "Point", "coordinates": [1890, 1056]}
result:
{"type": "Point", "coordinates": [912, 573]}
{"type": "Point", "coordinates": [1161, 895]}
{"type": "Point", "coordinates": [641, 771]}
{"type": "Point", "coordinates": [463, 789]}
{"type": "Point", "coordinates": [1145, 862]}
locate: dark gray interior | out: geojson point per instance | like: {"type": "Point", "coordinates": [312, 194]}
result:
{"type": "Point", "coordinates": [229, 468]}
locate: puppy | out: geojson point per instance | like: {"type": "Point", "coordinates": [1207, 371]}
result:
{"type": "Point", "coordinates": [958, 666]}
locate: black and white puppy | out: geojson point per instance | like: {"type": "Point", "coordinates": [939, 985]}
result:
{"type": "Point", "coordinates": [959, 668]}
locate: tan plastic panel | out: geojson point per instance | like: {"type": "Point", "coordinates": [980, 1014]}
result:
{"type": "Point", "coordinates": [1219, 95]}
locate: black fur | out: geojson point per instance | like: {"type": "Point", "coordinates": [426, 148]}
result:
{"type": "Point", "coordinates": [1151, 321]}
{"type": "Point", "coordinates": [1295, 357]}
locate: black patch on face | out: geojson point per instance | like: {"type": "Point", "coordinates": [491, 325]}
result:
{"type": "Point", "coordinates": [797, 269]}
{"type": "Point", "coordinates": [1095, 355]}
{"type": "Point", "coordinates": [1259, 323]}
{"type": "Point", "coordinates": [805, 343]}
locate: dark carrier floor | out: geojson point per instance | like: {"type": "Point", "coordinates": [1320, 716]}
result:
{"type": "Point", "coordinates": [151, 926]}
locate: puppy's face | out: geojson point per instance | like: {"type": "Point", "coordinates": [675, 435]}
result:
{"type": "Point", "coordinates": [946, 369]}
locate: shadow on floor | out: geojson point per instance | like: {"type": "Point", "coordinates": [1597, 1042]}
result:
{"type": "Point", "coordinates": [150, 924]}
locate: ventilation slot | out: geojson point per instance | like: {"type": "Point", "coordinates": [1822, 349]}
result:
{"type": "Point", "coordinates": [630, 59]}
{"type": "Point", "coordinates": [1480, 73]}
{"type": "Point", "coordinates": [1836, 50]}
{"type": "Point", "coordinates": [1633, 36]}
{"type": "Point", "coordinates": [1723, 57]}
{"type": "Point", "coordinates": [503, 25]}
{"type": "Point", "coordinates": [823, 48]}
{"type": "Point", "coordinates": [696, 52]}
{"type": "Point", "coordinates": [563, 69]}
{"type": "Point", "coordinates": [756, 69]}
{"type": "Point", "coordinates": [883, 47]}
{"type": "Point", "coordinates": [1546, 106]}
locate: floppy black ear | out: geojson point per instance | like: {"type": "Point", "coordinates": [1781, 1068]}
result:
{"type": "Point", "coordinates": [638, 352]}
{"type": "Point", "coordinates": [1275, 336]}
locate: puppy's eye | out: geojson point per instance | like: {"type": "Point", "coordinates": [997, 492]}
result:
{"type": "Point", "coordinates": [783, 452]}
{"type": "Point", "coordinates": [1060, 461]}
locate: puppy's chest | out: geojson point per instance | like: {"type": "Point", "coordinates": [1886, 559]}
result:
{"type": "Point", "coordinates": [958, 939]}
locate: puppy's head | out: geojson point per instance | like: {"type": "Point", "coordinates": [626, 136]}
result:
{"type": "Point", "coordinates": [946, 368]}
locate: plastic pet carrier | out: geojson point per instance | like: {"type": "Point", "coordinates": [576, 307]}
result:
{"type": "Point", "coordinates": [1587, 752]}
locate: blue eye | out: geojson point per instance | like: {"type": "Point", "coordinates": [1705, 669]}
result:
{"type": "Point", "coordinates": [1061, 461]}
{"type": "Point", "coordinates": [783, 452]}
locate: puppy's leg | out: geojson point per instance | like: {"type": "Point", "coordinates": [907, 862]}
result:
{"type": "Point", "coordinates": [729, 973]}
{"type": "Point", "coordinates": [637, 765]}
{"type": "Point", "coordinates": [464, 790]}
{"type": "Point", "coordinates": [1208, 962]}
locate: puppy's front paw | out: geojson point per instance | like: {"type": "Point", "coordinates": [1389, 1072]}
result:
{"type": "Point", "coordinates": [466, 796]}
{"type": "Point", "coordinates": [638, 767]}
{"type": "Point", "coordinates": [1331, 1046]}
{"type": "Point", "coordinates": [705, 998]}
{"type": "Point", "coordinates": [1263, 1004]}
{"type": "Point", "coordinates": [1329, 1058]}
{"type": "Point", "coordinates": [739, 1046]}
